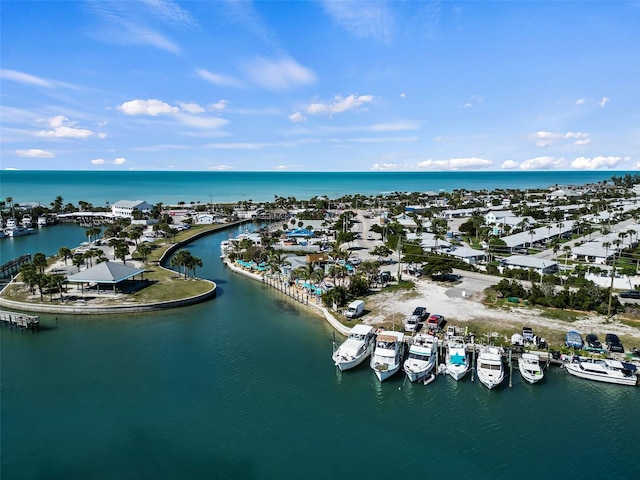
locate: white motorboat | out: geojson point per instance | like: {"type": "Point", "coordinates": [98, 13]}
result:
{"type": "Point", "coordinates": [530, 369]}
{"type": "Point", "coordinates": [17, 231]}
{"type": "Point", "coordinates": [387, 355]}
{"type": "Point", "coordinates": [11, 223]}
{"type": "Point", "coordinates": [358, 346]}
{"type": "Point", "coordinates": [26, 221]}
{"type": "Point", "coordinates": [604, 370]}
{"type": "Point", "coordinates": [457, 361]}
{"type": "Point", "coordinates": [490, 368]}
{"type": "Point", "coordinates": [42, 221]}
{"type": "Point", "coordinates": [422, 357]}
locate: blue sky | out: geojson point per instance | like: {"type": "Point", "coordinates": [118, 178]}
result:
{"type": "Point", "coordinates": [320, 86]}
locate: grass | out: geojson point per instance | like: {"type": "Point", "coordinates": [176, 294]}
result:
{"type": "Point", "coordinates": [164, 285]}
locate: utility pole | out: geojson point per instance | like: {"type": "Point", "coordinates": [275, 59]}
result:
{"type": "Point", "coordinates": [399, 258]}
{"type": "Point", "coordinates": [613, 270]}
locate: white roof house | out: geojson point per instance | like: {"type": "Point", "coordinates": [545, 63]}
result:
{"type": "Point", "coordinates": [125, 208]}
{"type": "Point", "coordinates": [468, 255]}
{"type": "Point", "coordinates": [542, 265]}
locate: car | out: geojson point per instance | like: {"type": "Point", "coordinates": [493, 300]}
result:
{"type": "Point", "coordinates": [369, 237]}
{"type": "Point", "coordinates": [413, 322]}
{"type": "Point", "coordinates": [435, 321]}
{"type": "Point", "coordinates": [573, 340]}
{"type": "Point", "coordinates": [613, 343]}
{"type": "Point", "coordinates": [421, 313]}
{"type": "Point", "coordinates": [630, 294]}
{"type": "Point", "coordinates": [592, 343]}
{"type": "Point", "coordinates": [527, 334]}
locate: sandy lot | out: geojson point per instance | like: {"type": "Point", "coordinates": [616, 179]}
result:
{"type": "Point", "coordinates": [460, 304]}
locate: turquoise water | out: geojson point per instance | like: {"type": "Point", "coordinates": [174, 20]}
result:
{"type": "Point", "coordinates": [243, 387]}
{"type": "Point", "coordinates": [46, 240]}
{"type": "Point", "coordinates": [98, 188]}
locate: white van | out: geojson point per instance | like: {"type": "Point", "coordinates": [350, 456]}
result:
{"type": "Point", "coordinates": [355, 309]}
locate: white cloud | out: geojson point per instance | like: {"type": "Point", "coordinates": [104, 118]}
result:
{"type": "Point", "coordinates": [439, 139]}
{"type": "Point", "coordinates": [509, 165]}
{"type": "Point", "coordinates": [22, 77]}
{"type": "Point", "coordinates": [595, 163]}
{"type": "Point", "coordinates": [147, 107]}
{"type": "Point", "coordinates": [221, 167]}
{"type": "Point", "coordinates": [34, 153]}
{"type": "Point", "coordinates": [604, 101]}
{"type": "Point", "coordinates": [279, 75]}
{"type": "Point", "coordinates": [102, 135]}
{"type": "Point", "coordinates": [381, 167]}
{"type": "Point", "coordinates": [454, 164]}
{"type": "Point", "coordinates": [120, 161]}
{"type": "Point", "coordinates": [198, 121]}
{"type": "Point", "coordinates": [282, 167]}
{"type": "Point", "coordinates": [580, 101]}
{"type": "Point", "coordinates": [542, 163]}
{"type": "Point", "coordinates": [170, 12]}
{"type": "Point", "coordinates": [98, 161]}
{"type": "Point", "coordinates": [219, 105]}
{"type": "Point", "coordinates": [546, 139]}
{"type": "Point", "coordinates": [218, 79]}
{"type": "Point", "coordinates": [402, 95]}
{"type": "Point", "coordinates": [297, 117]}
{"type": "Point", "coordinates": [339, 104]}
{"type": "Point", "coordinates": [61, 127]}
{"type": "Point", "coordinates": [362, 19]}
{"type": "Point", "coordinates": [191, 108]}
{"type": "Point", "coordinates": [468, 105]}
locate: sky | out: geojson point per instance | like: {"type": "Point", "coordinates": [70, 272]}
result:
{"type": "Point", "coordinates": [320, 85]}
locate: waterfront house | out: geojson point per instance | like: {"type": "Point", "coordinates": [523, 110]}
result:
{"type": "Point", "coordinates": [125, 208]}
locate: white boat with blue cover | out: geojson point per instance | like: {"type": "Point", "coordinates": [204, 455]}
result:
{"type": "Point", "coordinates": [358, 346]}
{"type": "Point", "coordinates": [457, 360]}
{"type": "Point", "coordinates": [422, 357]}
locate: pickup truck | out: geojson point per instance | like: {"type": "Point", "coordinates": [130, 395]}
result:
{"type": "Point", "coordinates": [435, 322]}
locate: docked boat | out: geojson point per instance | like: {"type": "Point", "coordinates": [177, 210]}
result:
{"type": "Point", "coordinates": [530, 368]}
{"type": "Point", "coordinates": [17, 231]}
{"type": "Point", "coordinates": [490, 368]}
{"type": "Point", "coordinates": [604, 370]}
{"type": "Point", "coordinates": [26, 221]}
{"type": "Point", "coordinates": [11, 223]}
{"type": "Point", "coordinates": [422, 357]}
{"type": "Point", "coordinates": [387, 354]}
{"type": "Point", "coordinates": [42, 221]}
{"type": "Point", "coordinates": [358, 346]}
{"type": "Point", "coordinates": [457, 361]}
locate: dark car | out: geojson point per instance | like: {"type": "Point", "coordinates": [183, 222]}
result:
{"type": "Point", "coordinates": [592, 342]}
{"type": "Point", "coordinates": [421, 313]}
{"type": "Point", "coordinates": [613, 343]}
{"type": "Point", "coordinates": [630, 294]}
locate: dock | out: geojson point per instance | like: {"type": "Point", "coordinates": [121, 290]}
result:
{"type": "Point", "coordinates": [19, 320]}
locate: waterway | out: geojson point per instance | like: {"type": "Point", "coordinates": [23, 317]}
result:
{"type": "Point", "coordinates": [243, 387]}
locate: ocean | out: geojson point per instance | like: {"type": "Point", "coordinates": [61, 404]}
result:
{"type": "Point", "coordinates": [101, 188]}
{"type": "Point", "coordinates": [243, 387]}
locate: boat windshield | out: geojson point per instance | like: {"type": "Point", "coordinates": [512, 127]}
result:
{"type": "Point", "coordinates": [419, 356]}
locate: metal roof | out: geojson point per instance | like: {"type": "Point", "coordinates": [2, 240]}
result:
{"type": "Point", "coordinates": [105, 272]}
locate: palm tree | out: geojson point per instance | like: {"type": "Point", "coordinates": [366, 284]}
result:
{"type": "Point", "coordinates": [144, 250]}
{"type": "Point", "coordinates": [65, 252]}
{"type": "Point", "coordinates": [40, 261]}
{"type": "Point", "coordinates": [121, 251]}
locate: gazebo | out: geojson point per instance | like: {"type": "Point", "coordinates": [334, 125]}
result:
{"type": "Point", "coordinates": [105, 273]}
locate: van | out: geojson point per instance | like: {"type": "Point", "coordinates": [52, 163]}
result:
{"type": "Point", "coordinates": [355, 309]}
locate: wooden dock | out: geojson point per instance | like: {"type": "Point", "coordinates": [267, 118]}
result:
{"type": "Point", "coordinates": [19, 320]}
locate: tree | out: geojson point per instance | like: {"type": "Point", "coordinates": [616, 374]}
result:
{"type": "Point", "coordinates": [28, 272]}
{"type": "Point", "coordinates": [65, 252]}
{"type": "Point", "coordinates": [144, 250]}
{"type": "Point", "coordinates": [121, 251]}
{"type": "Point", "coordinates": [40, 261]}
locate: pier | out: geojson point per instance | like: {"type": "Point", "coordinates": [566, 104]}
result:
{"type": "Point", "coordinates": [19, 320]}
{"type": "Point", "coordinates": [12, 267]}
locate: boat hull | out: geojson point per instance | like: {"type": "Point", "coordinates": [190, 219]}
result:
{"type": "Point", "coordinates": [574, 369]}
{"type": "Point", "coordinates": [418, 374]}
{"type": "Point", "coordinates": [457, 373]}
{"type": "Point", "coordinates": [344, 364]}
{"type": "Point", "coordinates": [384, 374]}
{"type": "Point", "coordinates": [530, 377]}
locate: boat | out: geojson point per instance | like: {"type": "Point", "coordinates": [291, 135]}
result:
{"type": "Point", "coordinates": [358, 346]}
{"type": "Point", "coordinates": [42, 221]}
{"type": "Point", "coordinates": [457, 361]}
{"type": "Point", "coordinates": [422, 357]}
{"type": "Point", "coordinates": [387, 354]}
{"type": "Point", "coordinates": [26, 221]}
{"type": "Point", "coordinates": [11, 223]}
{"type": "Point", "coordinates": [530, 369]}
{"type": "Point", "coordinates": [604, 370]}
{"type": "Point", "coordinates": [17, 231]}
{"type": "Point", "coordinates": [490, 368]}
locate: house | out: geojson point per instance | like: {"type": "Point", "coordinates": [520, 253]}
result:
{"type": "Point", "coordinates": [540, 265]}
{"type": "Point", "coordinates": [467, 255]}
{"type": "Point", "coordinates": [125, 208]}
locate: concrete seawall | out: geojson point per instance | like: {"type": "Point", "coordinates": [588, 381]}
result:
{"type": "Point", "coordinates": [339, 327]}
